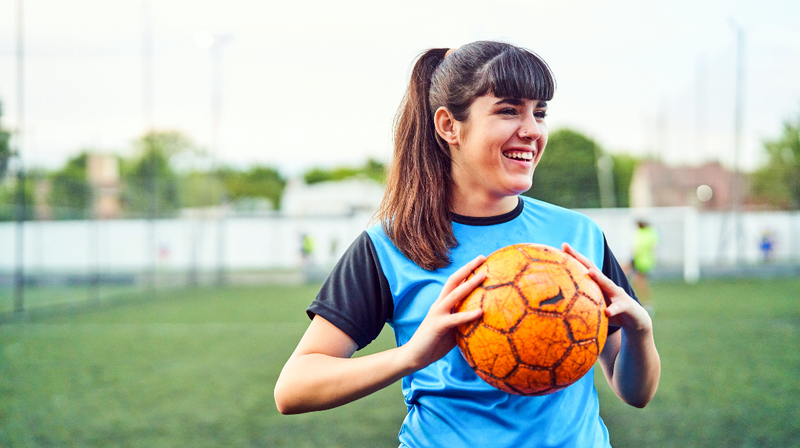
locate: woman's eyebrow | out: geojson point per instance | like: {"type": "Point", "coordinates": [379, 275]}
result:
{"type": "Point", "coordinates": [511, 101]}
{"type": "Point", "coordinates": [518, 102]}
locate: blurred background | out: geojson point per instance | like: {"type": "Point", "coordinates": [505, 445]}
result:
{"type": "Point", "coordinates": [177, 178]}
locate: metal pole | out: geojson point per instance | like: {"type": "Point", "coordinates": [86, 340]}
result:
{"type": "Point", "coordinates": [147, 67]}
{"type": "Point", "coordinates": [736, 190]}
{"type": "Point", "coordinates": [215, 43]}
{"type": "Point", "coordinates": [661, 132]}
{"type": "Point", "coordinates": [147, 113]}
{"type": "Point", "coordinates": [700, 108]}
{"type": "Point", "coordinates": [216, 105]}
{"type": "Point", "coordinates": [605, 178]}
{"type": "Point", "coordinates": [94, 241]}
{"type": "Point", "coordinates": [217, 112]}
{"type": "Point", "coordinates": [19, 275]}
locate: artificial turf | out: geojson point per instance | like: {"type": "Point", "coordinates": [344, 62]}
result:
{"type": "Point", "coordinates": [197, 367]}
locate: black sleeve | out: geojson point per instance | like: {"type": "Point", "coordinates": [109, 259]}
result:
{"type": "Point", "coordinates": [613, 271]}
{"type": "Point", "coordinates": [356, 297]}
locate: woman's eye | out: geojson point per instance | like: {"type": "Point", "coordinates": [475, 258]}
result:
{"type": "Point", "coordinates": [508, 111]}
{"type": "Point", "coordinates": [540, 115]}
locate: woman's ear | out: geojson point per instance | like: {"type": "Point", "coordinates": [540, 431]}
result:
{"type": "Point", "coordinates": [446, 125]}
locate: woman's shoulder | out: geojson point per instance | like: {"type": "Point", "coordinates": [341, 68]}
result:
{"type": "Point", "coordinates": [556, 212]}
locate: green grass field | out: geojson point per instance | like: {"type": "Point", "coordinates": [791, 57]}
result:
{"type": "Point", "coordinates": [39, 298]}
{"type": "Point", "coordinates": [197, 368]}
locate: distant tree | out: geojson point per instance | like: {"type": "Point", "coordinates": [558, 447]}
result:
{"type": "Point", "coordinates": [257, 182]}
{"type": "Point", "coordinates": [5, 148]}
{"type": "Point", "coordinates": [9, 198]}
{"type": "Point", "coordinates": [70, 193]}
{"type": "Point", "coordinates": [5, 152]}
{"type": "Point", "coordinates": [149, 184]}
{"type": "Point", "coordinates": [567, 173]}
{"type": "Point", "coordinates": [375, 170]}
{"type": "Point", "coordinates": [372, 169]}
{"type": "Point", "coordinates": [777, 184]}
{"type": "Point", "coordinates": [201, 189]}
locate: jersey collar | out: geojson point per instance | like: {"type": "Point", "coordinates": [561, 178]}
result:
{"type": "Point", "coordinates": [489, 220]}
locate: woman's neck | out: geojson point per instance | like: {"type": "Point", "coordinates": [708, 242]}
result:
{"type": "Point", "coordinates": [478, 206]}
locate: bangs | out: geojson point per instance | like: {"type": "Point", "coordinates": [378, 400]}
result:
{"type": "Point", "coordinates": [517, 73]}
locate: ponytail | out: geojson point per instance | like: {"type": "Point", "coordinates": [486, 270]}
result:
{"type": "Point", "coordinates": [415, 211]}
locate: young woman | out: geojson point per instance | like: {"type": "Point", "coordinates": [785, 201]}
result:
{"type": "Point", "coordinates": [469, 134]}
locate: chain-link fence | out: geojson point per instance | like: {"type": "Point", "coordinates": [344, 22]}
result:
{"type": "Point", "coordinates": [72, 262]}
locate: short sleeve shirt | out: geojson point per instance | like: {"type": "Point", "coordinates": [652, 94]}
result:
{"type": "Point", "coordinates": [374, 284]}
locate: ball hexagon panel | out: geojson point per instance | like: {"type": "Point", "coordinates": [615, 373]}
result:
{"type": "Point", "coordinates": [541, 341]}
{"type": "Point", "coordinates": [490, 352]}
{"type": "Point", "coordinates": [583, 319]}
{"type": "Point", "coordinates": [505, 309]}
{"type": "Point", "coordinates": [581, 358]}
{"type": "Point", "coordinates": [548, 287]}
{"type": "Point", "coordinates": [509, 263]}
{"type": "Point", "coordinates": [529, 381]}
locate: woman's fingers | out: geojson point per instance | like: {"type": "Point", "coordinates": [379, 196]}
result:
{"type": "Point", "coordinates": [458, 319]}
{"type": "Point", "coordinates": [605, 283]}
{"type": "Point", "coordinates": [457, 279]}
{"type": "Point", "coordinates": [463, 272]}
{"type": "Point", "coordinates": [577, 255]}
{"type": "Point", "coordinates": [455, 296]}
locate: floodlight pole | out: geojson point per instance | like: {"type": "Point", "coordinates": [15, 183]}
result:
{"type": "Point", "coordinates": [736, 190]}
{"type": "Point", "coordinates": [147, 113]}
{"type": "Point", "coordinates": [700, 108]}
{"type": "Point", "coordinates": [216, 46]}
{"type": "Point", "coordinates": [147, 66]}
{"type": "Point", "coordinates": [216, 54]}
{"type": "Point", "coordinates": [19, 274]}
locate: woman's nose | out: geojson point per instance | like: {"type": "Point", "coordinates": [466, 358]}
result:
{"type": "Point", "coordinates": [530, 129]}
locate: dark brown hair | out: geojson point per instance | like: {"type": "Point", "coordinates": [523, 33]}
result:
{"type": "Point", "coordinates": [415, 211]}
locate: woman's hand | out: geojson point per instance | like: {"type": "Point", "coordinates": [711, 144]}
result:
{"type": "Point", "coordinates": [435, 336]}
{"type": "Point", "coordinates": [622, 310]}
{"type": "Point", "coordinates": [629, 359]}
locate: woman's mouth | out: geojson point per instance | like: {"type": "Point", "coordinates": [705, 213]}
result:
{"type": "Point", "coordinates": [526, 156]}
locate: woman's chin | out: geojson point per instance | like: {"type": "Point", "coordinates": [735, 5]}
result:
{"type": "Point", "coordinates": [521, 187]}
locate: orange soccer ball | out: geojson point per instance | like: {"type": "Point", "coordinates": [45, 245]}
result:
{"type": "Point", "coordinates": [543, 322]}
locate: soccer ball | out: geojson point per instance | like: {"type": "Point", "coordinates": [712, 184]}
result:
{"type": "Point", "coordinates": [543, 322]}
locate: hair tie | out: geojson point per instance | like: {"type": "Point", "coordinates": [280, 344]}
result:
{"type": "Point", "coordinates": [448, 52]}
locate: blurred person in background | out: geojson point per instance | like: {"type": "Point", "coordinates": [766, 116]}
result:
{"type": "Point", "coordinates": [767, 245]}
{"type": "Point", "coordinates": [645, 240]}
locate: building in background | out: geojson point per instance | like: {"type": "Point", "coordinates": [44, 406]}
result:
{"type": "Point", "coordinates": [102, 173]}
{"type": "Point", "coordinates": [709, 186]}
{"type": "Point", "coordinates": [332, 198]}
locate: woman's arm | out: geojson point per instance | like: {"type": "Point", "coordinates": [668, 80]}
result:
{"type": "Point", "coordinates": [629, 359]}
{"type": "Point", "coordinates": [321, 375]}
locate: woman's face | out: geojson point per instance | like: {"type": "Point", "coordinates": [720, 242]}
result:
{"type": "Point", "coordinates": [499, 145]}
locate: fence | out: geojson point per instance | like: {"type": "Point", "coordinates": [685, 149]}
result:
{"type": "Point", "coordinates": [98, 257]}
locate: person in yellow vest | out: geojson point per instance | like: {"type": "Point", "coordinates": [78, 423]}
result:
{"type": "Point", "coordinates": [307, 249]}
{"type": "Point", "coordinates": [645, 240]}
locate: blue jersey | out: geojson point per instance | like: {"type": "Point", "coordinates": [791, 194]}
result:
{"type": "Point", "coordinates": [448, 404]}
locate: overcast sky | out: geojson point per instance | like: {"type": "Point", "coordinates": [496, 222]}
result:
{"type": "Point", "coordinates": [317, 83]}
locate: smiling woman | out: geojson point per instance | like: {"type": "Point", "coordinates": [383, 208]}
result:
{"type": "Point", "coordinates": [469, 134]}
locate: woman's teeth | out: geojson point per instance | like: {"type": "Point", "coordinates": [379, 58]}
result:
{"type": "Point", "coordinates": [521, 155]}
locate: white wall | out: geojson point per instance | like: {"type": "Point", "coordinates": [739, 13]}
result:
{"type": "Point", "coordinates": [133, 245]}
{"type": "Point", "coordinates": [274, 242]}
